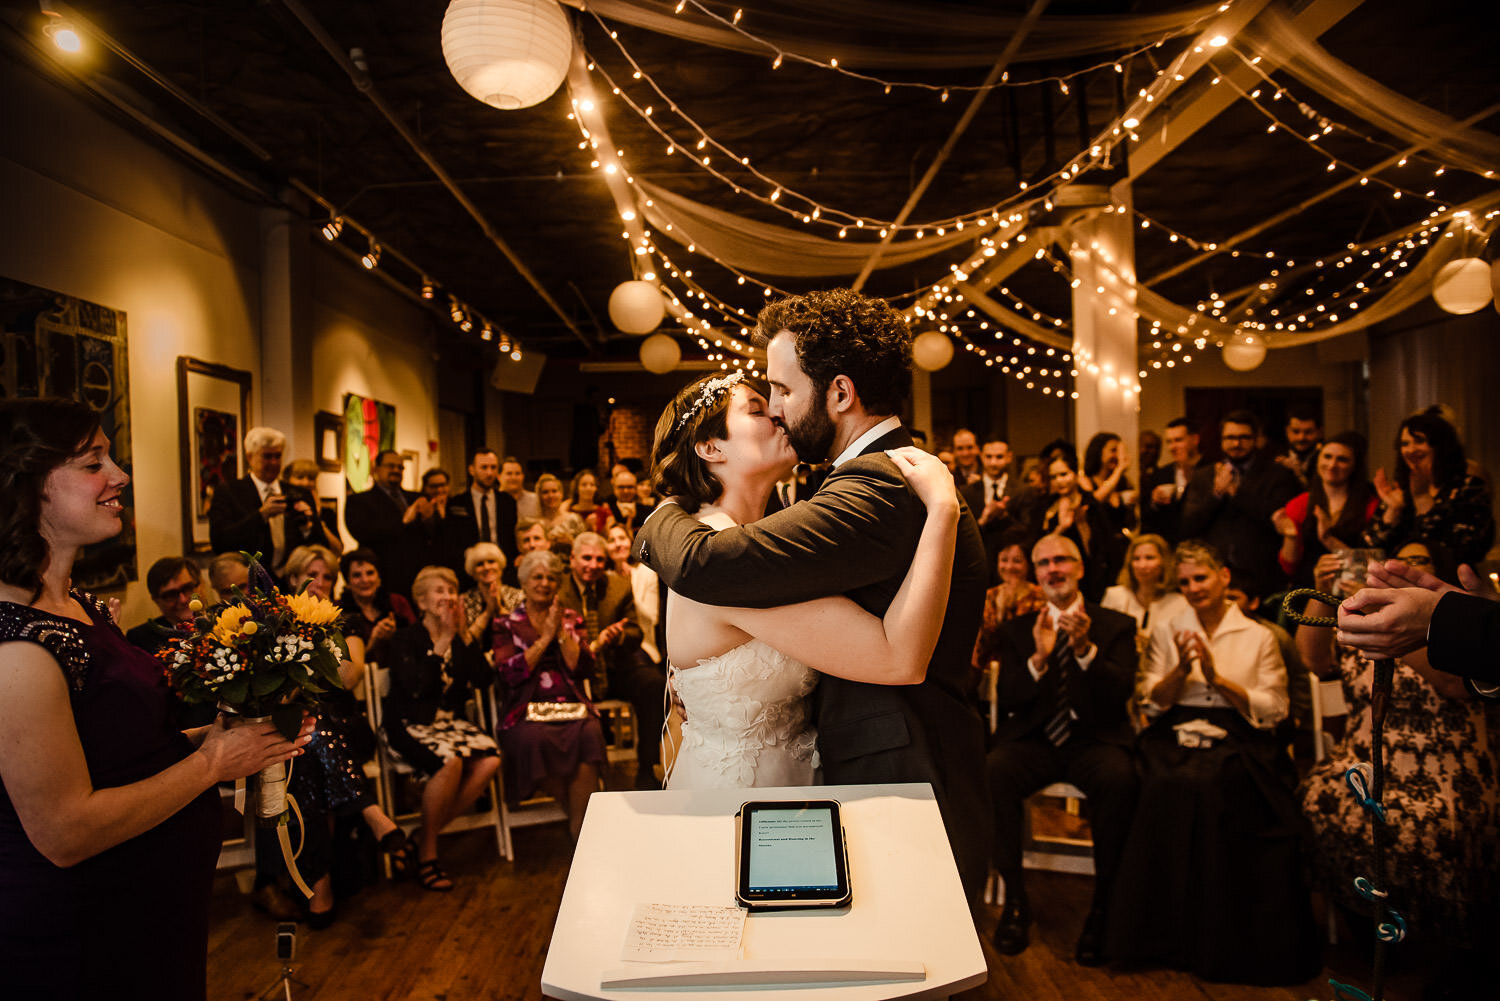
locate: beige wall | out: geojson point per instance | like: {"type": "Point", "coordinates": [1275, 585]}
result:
{"type": "Point", "coordinates": [93, 212]}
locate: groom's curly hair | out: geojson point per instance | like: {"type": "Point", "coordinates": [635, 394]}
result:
{"type": "Point", "coordinates": [840, 332]}
{"type": "Point", "coordinates": [676, 468]}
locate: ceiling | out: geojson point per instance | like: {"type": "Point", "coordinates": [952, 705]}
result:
{"type": "Point", "coordinates": [298, 117]}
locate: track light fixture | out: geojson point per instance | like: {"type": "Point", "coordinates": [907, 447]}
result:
{"type": "Point", "coordinates": [427, 288]}
{"type": "Point", "coordinates": [371, 257]}
{"type": "Point", "coordinates": [488, 333]}
{"type": "Point", "coordinates": [333, 227]}
{"type": "Point", "coordinates": [60, 29]}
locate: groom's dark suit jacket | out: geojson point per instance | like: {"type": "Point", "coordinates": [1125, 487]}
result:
{"type": "Point", "coordinates": [856, 536]}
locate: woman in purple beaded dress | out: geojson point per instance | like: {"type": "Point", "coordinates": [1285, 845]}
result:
{"type": "Point", "coordinates": [108, 816]}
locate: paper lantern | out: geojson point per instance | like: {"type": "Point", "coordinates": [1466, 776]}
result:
{"type": "Point", "coordinates": [660, 353]}
{"type": "Point", "coordinates": [1463, 286]}
{"type": "Point", "coordinates": [636, 307]}
{"type": "Point", "coordinates": [931, 351]}
{"type": "Point", "coordinates": [508, 53]}
{"type": "Point", "coordinates": [1244, 351]}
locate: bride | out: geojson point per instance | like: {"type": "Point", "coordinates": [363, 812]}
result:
{"type": "Point", "coordinates": [743, 675]}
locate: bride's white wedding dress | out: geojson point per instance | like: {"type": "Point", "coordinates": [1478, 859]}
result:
{"type": "Point", "coordinates": [746, 721]}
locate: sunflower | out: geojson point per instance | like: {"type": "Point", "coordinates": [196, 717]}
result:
{"type": "Point", "coordinates": [231, 624]}
{"type": "Point", "coordinates": [313, 610]}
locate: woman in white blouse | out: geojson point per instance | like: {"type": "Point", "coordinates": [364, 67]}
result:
{"type": "Point", "coordinates": [1211, 882]}
{"type": "Point", "coordinates": [1147, 588]}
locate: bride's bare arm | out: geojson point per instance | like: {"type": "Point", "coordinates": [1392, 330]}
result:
{"type": "Point", "coordinates": [837, 637]}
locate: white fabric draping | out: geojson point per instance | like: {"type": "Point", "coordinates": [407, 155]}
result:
{"type": "Point", "coordinates": [1274, 36]}
{"type": "Point", "coordinates": [880, 34]}
{"type": "Point", "coordinates": [761, 248]}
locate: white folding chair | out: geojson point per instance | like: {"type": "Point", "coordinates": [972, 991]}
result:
{"type": "Point", "coordinates": [389, 765]}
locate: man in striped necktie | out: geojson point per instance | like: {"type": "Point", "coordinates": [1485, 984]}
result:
{"type": "Point", "coordinates": [1066, 675]}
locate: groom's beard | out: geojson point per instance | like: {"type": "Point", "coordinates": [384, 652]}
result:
{"type": "Point", "coordinates": [812, 436]}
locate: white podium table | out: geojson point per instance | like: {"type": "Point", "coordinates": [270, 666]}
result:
{"type": "Point", "coordinates": [678, 848]}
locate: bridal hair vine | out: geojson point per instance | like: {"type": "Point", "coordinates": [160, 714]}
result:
{"type": "Point", "coordinates": [709, 395]}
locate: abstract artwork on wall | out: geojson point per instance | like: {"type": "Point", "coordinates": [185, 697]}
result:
{"type": "Point", "coordinates": [369, 429]}
{"type": "Point", "coordinates": [55, 345]}
{"type": "Point", "coordinates": [216, 440]}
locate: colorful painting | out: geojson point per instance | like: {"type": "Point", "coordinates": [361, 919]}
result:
{"type": "Point", "coordinates": [55, 345]}
{"type": "Point", "coordinates": [369, 429]}
{"type": "Point", "coordinates": [216, 437]}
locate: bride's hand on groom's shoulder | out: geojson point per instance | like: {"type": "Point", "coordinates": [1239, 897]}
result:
{"type": "Point", "coordinates": [930, 480]}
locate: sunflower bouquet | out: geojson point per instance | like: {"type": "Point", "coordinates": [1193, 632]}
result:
{"type": "Point", "coordinates": [262, 655]}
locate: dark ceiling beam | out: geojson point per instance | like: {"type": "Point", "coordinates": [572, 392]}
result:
{"type": "Point", "coordinates": [366, 86]}
{"type": "Point", "coordinates": [1011, 48]}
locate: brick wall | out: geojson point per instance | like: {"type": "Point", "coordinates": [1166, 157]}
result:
{"type": "Point", "coordinates": [632, 427]}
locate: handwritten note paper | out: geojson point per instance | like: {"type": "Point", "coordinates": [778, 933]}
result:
{"type": "Point", "coordinates": [664, 933]}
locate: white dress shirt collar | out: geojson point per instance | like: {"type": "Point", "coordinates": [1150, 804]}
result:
{"type": "Point", "coordinates": [263, 488]}
{"type": "Point", "coordinates": [859, 444]}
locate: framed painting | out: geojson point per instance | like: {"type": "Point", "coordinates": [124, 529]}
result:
{"type": "Point", "coordinates": [328, 440]}
{"type": "Point", "coordinates": [213, 414]}
{"type": "Point", "coordinates": [369, 429]}
{"type": "Point", "coordinates": [53, 344]}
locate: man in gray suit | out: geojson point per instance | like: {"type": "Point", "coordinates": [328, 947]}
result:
{"type": "Point", "coordinates": [840, 369]}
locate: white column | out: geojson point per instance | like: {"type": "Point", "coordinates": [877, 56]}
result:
{"type": "Point", "coordinates": [1102, 251]}
{"type": "Point", "coordinates": [285, 387]}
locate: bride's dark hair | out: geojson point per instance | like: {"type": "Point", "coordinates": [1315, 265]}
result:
{"type": "Point", "coordinates": [697, 413]}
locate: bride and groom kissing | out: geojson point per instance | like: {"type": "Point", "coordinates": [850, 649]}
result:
{"type": "Point", "coordinates": [836, 632]}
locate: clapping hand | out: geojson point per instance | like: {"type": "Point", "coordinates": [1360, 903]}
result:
{"type": "Point", "coordinates": [1326, 572]}
{"type": "Point", "coordinates": [383, 629]}
{"type": "Point", "coordinates": [1389, 492]}
{"type": "Point", "coordinates": [1284, 523]}
{"type": "Point", "coordinates": [1226, 479]}
{"type": "Point", "coordinates": [610, 634]}
{"type": "Point", "coordinates": [1075, 625]}
{"type": "Point", "coordinates": [1044, 635]}
{"type": "Point", "coordinates": [1191, 648]}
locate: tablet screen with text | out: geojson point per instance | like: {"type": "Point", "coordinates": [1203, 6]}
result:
{"type": "Point", "coordinates": [792, 854]}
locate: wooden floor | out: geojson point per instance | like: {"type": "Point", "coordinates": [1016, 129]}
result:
{"type": "Point", "coordinates": [488, 940]}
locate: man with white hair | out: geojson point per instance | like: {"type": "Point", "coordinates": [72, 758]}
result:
{"type": "Point", "coordinates": [247, 515]}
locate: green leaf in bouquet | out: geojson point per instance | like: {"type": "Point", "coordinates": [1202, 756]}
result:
{"type": "Point", "coordinates": [287, 720]}
{"type": "Point", "coordinates": [323, 665]}
{"type": "Point", "coordinates": [268, 679]}
{"type": "Point", "coordinates": [236, 692]}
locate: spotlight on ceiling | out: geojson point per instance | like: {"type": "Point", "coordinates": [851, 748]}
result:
{"type": "Point", "coordinates": [371, 258]}
{"type": "Point", "coordinates": [1219, 41]}
{"type": "Point", "coordinates": [333, 227]}
{"type": "Point", "coordinates": [427, 288]}
{"type": "Point", "coordinates": [60, 30]}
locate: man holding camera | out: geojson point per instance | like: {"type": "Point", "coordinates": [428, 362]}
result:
{"type": "Point", "coordinates": [246, 515]}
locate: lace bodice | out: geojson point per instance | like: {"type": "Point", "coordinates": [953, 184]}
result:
{"type": "Point", "coordinates": [746, 721]}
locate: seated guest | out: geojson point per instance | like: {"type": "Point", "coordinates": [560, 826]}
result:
{"type": "Point", "coordinates": [226, 572]}
{"type": "Point", "coordinates": [607, 605]}
{"type": "Point", "coordinates": [553, 502]}
{"type": "Point", "coordinates": [1147, 588]}
{"type": "Point", "coordinates": [330, 780]}
{"type": "Point", "coordinates": [1210, 881]}
{"type": "Point", "coordinates": [1334, 511]}
{"type": "Point", "coordinates": [1065, 679]}
{"type": "Point", "coordinates": [1434, 495]}
{"type": "Point", "coordinates": [434, 669]}
{"type": "Point", "coordinates": [1081, 518]}
{"type": "Point", "coordinates": [542, 655]}
{"type": "Point", "coordinates": [1441, 799]}
{"type": "Point", "coordinates": [1299, 692]}
{"type": "Point", "coordinates": [489, 598]}
{"type": "Point", "coordinates": [247, 515]}
{"type": "Point", "coordinates": [1016, 595]}
{"type": "Point", "coordinates": [172, 582]}
{"type": "Point", "coordinates": [583, 501]}
{"type": "Point", "coordinates": [371, 612]}
{"type": "Point", "coordinates": [1104, 465]}
{"type": "Point", "coordinates": [645, 588]}
{"type": "Point", "coordinates": [308, 522]}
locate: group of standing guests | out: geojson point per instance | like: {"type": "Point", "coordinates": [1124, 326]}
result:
{"type": "Point", "coordinates": [1166, 701]}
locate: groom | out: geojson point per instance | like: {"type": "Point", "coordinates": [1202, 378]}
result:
{"type": "Point", "coordinates": [839, 365]}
